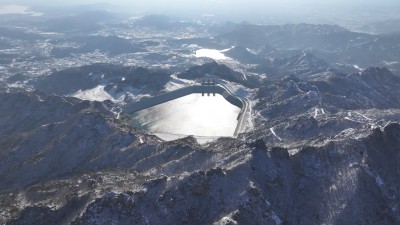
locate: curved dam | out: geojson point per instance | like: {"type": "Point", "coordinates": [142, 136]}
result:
{"type": "Point", "coordinates": [196, 89]}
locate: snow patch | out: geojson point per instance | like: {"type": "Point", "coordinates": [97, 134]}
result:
{"type": "Point", "coordinates": [273, 132]}
{"type": "Point", "coordinates": [117, 111]}
{"type": "Point", "coordinates": [390, 63]}
{"type": "Point", "coordinates": [347, 118]}
{"type": "Point", "coordinates": [318, 111]}
{"type": "Point", "coordinates": [363, 116]}
{"type": "Point", "coordinates": [375, 175]}
{"type": "Point", "coordinates": [276, 219]}
{"type": "Point", "coordinates": [177, 83]}
{"type": "Point", "coordinates": [225, 220]}
{"type": "Point", "coordinates": [95, 94]}
{"type": "Point", "coordinates": [357, 67]}
{"type": "Point", "coordinates": [346, 132]}
{"type": "Point", "coordinates": [379, 181]}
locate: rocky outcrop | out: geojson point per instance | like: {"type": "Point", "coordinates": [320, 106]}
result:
{"type": "Point", "coordinates": [335, 183]}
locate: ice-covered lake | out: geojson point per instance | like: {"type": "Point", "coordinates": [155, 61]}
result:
{"type": "Point", "coordinates": [211, 53]}
{"type": "Point", "coordinates": [205, 117]}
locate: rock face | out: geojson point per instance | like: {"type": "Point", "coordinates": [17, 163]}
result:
{"type": "Point", "coordinates": [336, 183]}
{"type": "Point", "coordinates": [263, 188]}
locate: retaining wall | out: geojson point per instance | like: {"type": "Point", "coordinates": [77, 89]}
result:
{"type": "Point", "coordinates": [156, 100]}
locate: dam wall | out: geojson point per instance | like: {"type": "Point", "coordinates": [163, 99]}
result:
{"type": "Point", "coordinates": [202, 89]}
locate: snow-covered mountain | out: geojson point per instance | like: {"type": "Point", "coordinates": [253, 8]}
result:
{"type": "Point", "coordinates": [321, 109]}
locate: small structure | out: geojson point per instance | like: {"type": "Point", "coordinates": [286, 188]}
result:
{"type": "Point", "coordinates": [208, 82]}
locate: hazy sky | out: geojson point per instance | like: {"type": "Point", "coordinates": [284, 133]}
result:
{"type": "Point", "coordinates": [193, 4]}
{"type": "Point", "coordinates": [324, 11]}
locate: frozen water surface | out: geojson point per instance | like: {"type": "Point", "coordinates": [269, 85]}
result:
{"type": "Point", "coordinates": [206, 117]}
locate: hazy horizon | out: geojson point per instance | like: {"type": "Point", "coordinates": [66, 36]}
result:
{"type": "Point", "coordinates": [341, 12]}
